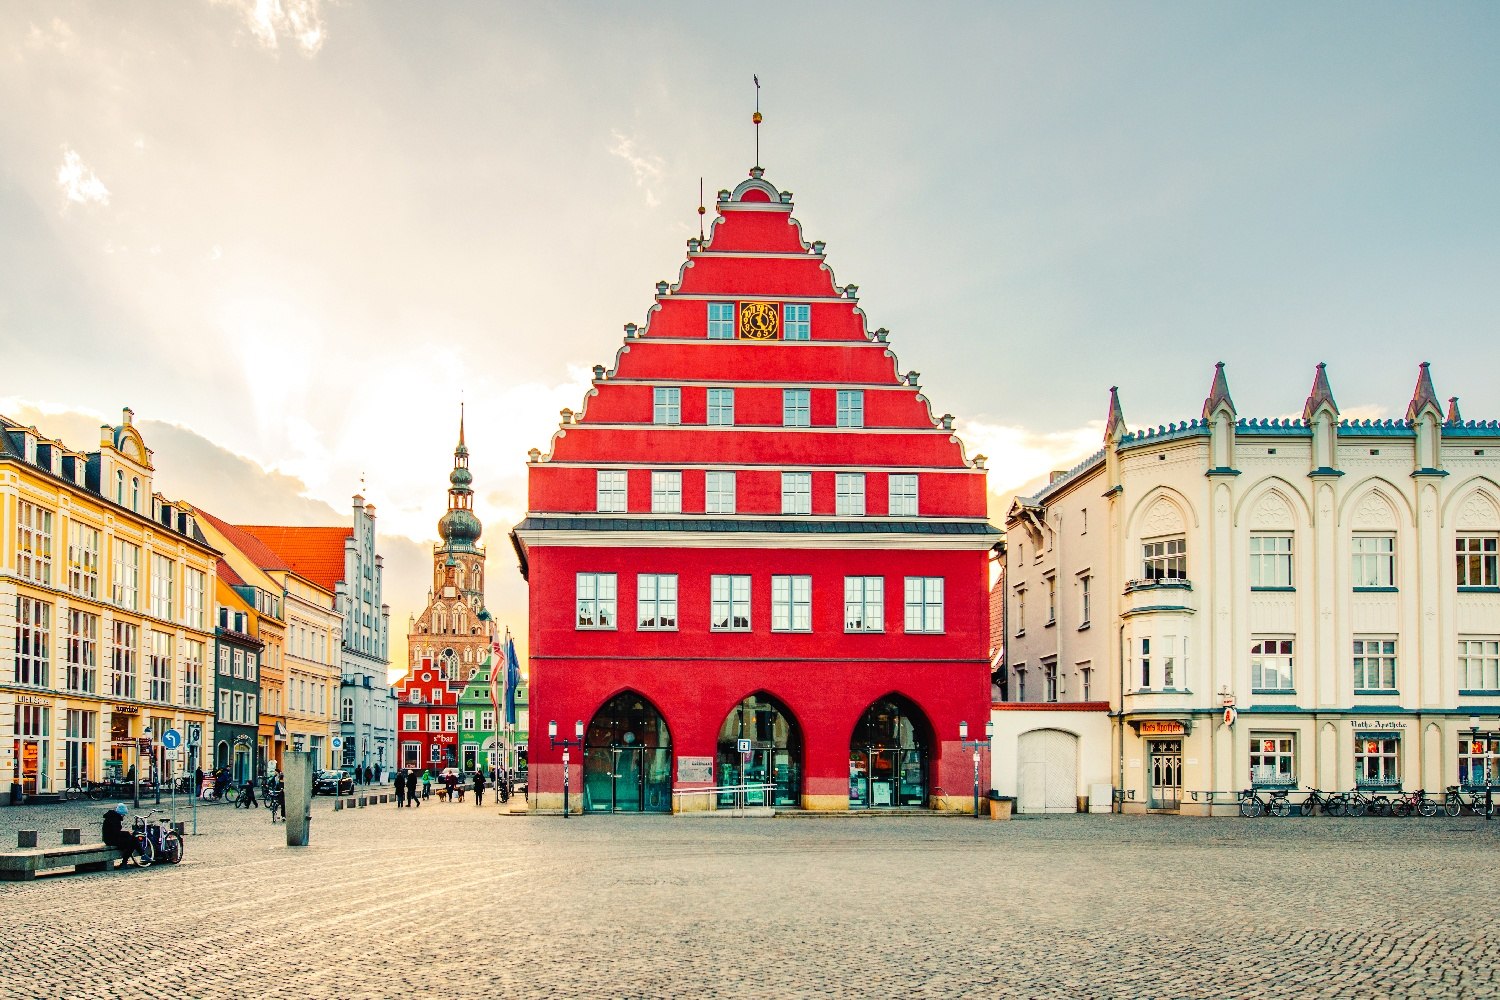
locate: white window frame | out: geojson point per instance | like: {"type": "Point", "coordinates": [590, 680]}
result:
{"type": "Point", "coordinates": [1478, 560]}
{"type": "Point", "coordinates": [798, 320]}
{"type": "Point", "coordinates": [82, 668]}
{"type": "Point", "coordinates": [864, 604]}
{"type": "Point", "coordinates": [791, 604]}
{"type": "Point", "coordinates": [1085, 599]}
{"type": "Point", "coordinates": [729, 603]}
{"type": "Point", "coordinates": [1377, 760]}
{"type": "Point", "coordinates": [1164, 558]}
{"type": "Point", "coordinates": [796, 407]}
{"type": "Point", "coordinates": [656, 602]}
{"type": "Point", "coordinates": [1384, 651]}
{"type": "Point", "coordinates": [666, 492]}
{"type": "Point", "coordinates": [611, 491]}
{"type": "Point", "coordinates": [1273, 664]}
{"type": "Point", "coordinates": [849, 494]}
{"type": "Point", "coordinates": [1271, 560]}
{"type": "Point", "coordinates": [796, 492]}
{"type": "Point", "coordinates": [597, 596]}
{"type": "Point", "coordinates": [33, 542]}
{"type": "Point", "coordinates": [1478, 664]}
{"type": "Point", "coordinates": [84, 544]}
{"type": "Point", "coordinates": [33, 652]}
{"type": "Point", "coordinates": [1273, 760]}
{"type": "Point", "coordinates": [666, 405]}
{"type": "Point", "coordinates": [902, 501]}
{"type": "Point", "coordinates": [721, 321]}
{"type": "Point", "coordinates": [720, 407]}
{"type": "Point", "coordinates": [194, 587]}
{"type": "Point", "coordinates": [193, 656]}
{"type": "Point", "coordinates": [719, 492]}
{"type": "Point", "coordinates": [163, 577]}
{"type": "Point", "coordinates": [924, 604]}
{"type": "Point", "coordinates": [850, 408]}
{"type": "Point", "coordinates": [1372, 563]}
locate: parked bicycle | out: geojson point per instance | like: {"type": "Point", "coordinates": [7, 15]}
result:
{"type": "Point", "coordinates": [1275, 804]}
{"type": "Point", "coordinates": [1363, 803]}
{"type": "Point", "coordinates": [1414, 803]}
{"type": "Point", "coordinates": [155, 840]}
{"type": "Point", "coordinates": [1331, 804]}
{"type": "Point", "coordinates": [1455, 801]}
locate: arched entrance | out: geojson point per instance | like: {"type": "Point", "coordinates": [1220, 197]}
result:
{"type": "Point", "coordinates": [888, 756]}
{"type": "Point", "coordinates": [774, 756]}
{"type": "Point", "coordinates": [627, 758]}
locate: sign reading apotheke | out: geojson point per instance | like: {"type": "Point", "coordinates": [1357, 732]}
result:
{"type": "Point", "coordinates": [1367, 725]}
{"type": "Point", "coordinates": [1162, 727]}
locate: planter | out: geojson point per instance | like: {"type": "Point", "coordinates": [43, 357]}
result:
{"type": "Point", "coordinates": [1001, 806]}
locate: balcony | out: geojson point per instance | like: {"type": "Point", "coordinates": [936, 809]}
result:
{"type": "Point", "coordinates": [1158, 596]}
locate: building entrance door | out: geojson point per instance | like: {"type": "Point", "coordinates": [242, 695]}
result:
{"type": "Point", "coordinates": [1166, 775]}
{"type": "Point", "coordinates": [627, 758]}
{"type": "Point", "coordinates": [775, 757]}
{"type": "Point", "coordinates": [888, 756]}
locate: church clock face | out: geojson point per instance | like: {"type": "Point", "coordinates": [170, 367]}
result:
{"type": "Point", "coordinates": [759, 321]}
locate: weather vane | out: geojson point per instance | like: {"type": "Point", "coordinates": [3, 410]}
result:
{"type": "Point", "coordinates": [757, 120]}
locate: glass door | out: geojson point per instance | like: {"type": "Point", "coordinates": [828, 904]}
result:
{"type": "Point", "coordinates": [628, 779]}
{"type": "Point", "coordinates": [1166, 775]}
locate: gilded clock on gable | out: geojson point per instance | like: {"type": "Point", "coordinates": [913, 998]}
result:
{"type": "Point", "coordinates": [759, 321]}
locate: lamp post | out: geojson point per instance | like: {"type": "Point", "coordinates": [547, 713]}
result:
{"type": "Point", "coordinates": [976, 745]}
{"type": "Point", "coordinates": [577, 741]}
{"type": "Point", "coordinates": [1484, 753]}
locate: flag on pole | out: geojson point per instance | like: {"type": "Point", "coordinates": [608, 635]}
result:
{"type": "Point", "coordinates": [512, 680]}
{"type": "Point", "coordinates": [494, 676]}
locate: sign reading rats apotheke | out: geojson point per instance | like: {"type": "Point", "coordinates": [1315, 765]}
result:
{"type": "Point", "coordinates": [1368, 725]}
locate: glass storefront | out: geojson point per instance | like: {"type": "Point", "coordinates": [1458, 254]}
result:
{"type": "Point", "coordinates": [888, 756]}
{"type": "Point", "coordinates": [774, 757]}
{"type": "Point", "coordinates": [627, 758]}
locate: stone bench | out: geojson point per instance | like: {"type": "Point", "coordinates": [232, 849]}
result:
{"type": "Point", "coordinates": [23, 865]}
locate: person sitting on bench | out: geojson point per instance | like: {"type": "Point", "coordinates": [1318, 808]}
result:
{"type": "Point", "coordinates": [115, 834]}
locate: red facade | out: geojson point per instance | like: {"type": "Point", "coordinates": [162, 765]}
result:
{"type": "Point", "coordinates": [756, 530]}
{"type": "Point", "coordinates": [426, 719]}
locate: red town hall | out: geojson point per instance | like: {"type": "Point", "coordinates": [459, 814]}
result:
{"type": "Point", "coordinates": [756, 556]}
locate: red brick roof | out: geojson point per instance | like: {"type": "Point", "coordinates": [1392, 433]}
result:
{"type": "Point", "coordinates": [997, 616]}
{"type": "Point", "coordinates": [254, 549]}
{"type": "Point", "coordinates": [315, 554]}
{"type": "Point", "coordinates": [228, 575]}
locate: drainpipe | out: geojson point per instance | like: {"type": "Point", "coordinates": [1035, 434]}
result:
{"type": "Point", "coordinates": [1120, 719]}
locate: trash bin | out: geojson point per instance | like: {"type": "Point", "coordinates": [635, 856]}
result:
{"type": "Point", "coordinates": [16, 795]}
{"type": "Point", "coordinates": [1000, 805]}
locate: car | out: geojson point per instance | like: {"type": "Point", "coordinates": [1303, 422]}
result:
{"type": "Point", "coordinates": [338, 782]}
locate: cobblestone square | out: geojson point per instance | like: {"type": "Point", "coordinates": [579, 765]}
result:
{"type": "Point", "coordinates": [452, 900]}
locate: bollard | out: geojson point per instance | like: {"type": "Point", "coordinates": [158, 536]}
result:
{"type": "Point", "coordinates": [338, 805]}
{"type": "Point", "coordinates": [180, 829]}
{"type": "Point", "coordinates": [25, 838]}
{"type": "Point", "coordinates": [297, 768]}
{"type": "Point", "coordinates": [361, 801]}
{"type": "Point", "coordinates": [72, 837]}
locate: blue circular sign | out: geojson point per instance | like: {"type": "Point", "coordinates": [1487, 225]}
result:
{"type": "Point", "coordinates": [171, 739]}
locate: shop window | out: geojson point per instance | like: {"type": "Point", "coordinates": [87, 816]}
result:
{"type": "Point", "coordinates": [1377, 760]}
{"type": "Point", "coordinates": [1273, 760]}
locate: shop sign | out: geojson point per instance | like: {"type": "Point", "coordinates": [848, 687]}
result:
{"type": "Point", "coordinates": [31, 699]}
{"type": "Point", "coordinates": [125, 710]}
{"type": "Point", "coordinates": [695, 769]}
{"type": "Point", "coordinates": [1162, 727]}
{"type": "Point", "coordinates": [446, 740]}
{"type": "Point", "coordinates": [1366, 725]}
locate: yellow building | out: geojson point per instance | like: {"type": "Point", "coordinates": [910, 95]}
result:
{"type": "Point", "coordinates": [105, 621]}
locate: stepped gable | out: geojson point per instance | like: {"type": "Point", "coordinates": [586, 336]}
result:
{"type": "Point", "coordinates": [756, 253]}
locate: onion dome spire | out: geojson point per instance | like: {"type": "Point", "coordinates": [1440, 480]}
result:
{"type": "Point", "coordinates": [459, 528]}
{"type": "Point", "coordinates": [1218, 394]}
{"type": "Point", "coordinates": [1423, 396]}
{"type": "Point", "coordinates": [1320, 396]}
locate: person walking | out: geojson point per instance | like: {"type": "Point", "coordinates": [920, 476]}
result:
{"type": "Point", "coordinates": [400, 791]}
{"type": "Point", "coordinates": [116, 836]}
{"type": "Point", "coordinates": [411, 787]}
{"type": "Point", "coordinates": [427, 783]}
{"type": "Point", "coordinates": [479, 788]}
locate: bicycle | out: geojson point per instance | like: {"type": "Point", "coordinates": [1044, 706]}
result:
{"type": "Point", "coordinates": [1251, 805]}
{"type": "Point", "coordinates": [1414, 803]}
{"type": "Point", "coordinates": [1361, 804]}
{"type": "Point", "coordinates": [162, 842]}
{"type": "Point", "coordinates": [1454, 802]}
{"type": "Point", "coordinates": [1317, 799]}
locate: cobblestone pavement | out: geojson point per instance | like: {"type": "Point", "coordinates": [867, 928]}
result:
{"type": "Point", "coordinates": [452, 901]}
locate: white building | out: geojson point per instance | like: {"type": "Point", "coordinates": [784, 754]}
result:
{"type": "Point", "coordinates": [1334, 581]}
{"type": "Point", "coordinates": [367, 709]}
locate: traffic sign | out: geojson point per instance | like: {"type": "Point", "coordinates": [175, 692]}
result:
{"type": "Point", "coordinates": [195, 733]}
{"type": "Point", "coordinates": [744, 746]}
{"type": "Point", "coordinates": [171, 739]}
{"type": "Point", "coordinates": [337, 742]}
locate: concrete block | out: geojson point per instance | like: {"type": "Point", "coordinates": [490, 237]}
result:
{"type": "Point", "coordinates": [71, 836]}
{"type": "Point", "coordinates": [338, 805]}
{"type": "Point", "coordinates": [1101, 798]}
{"type": "Point", "coordinates": [298, 776]}
{"type": "Point", "coordinates": [25, 838]}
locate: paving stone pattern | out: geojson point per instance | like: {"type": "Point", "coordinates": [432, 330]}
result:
{"type": "Point", "coordinates": [453, 901]}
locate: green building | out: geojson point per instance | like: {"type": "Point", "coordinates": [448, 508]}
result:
{"type": "Point", "coordinates": [476, 724]}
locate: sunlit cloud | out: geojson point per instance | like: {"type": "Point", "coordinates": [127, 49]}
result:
{"type": "Point", "coordinates": [1018, 457]}
{"type": "Point", "coordinates": [79, 184]}
{"type": "Point", "coordinates": [299, 23]}
{"type": "Point", "coordinates": [57, 35]}
{"type": "Point", "coordinates": [647, 167]}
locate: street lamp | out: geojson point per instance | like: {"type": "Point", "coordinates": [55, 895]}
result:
{"type": "Point", "coordinates": [975, 745]}
{"type": "Point", "coordinates": [577, 741]}
{"type": "Point", "coordinates": [1484, 752]}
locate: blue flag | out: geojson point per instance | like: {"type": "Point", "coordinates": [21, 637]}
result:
{"type": "Point", "coordinates": [512, 680]}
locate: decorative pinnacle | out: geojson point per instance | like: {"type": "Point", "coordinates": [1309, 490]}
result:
{"type": "Point", "coordinates": [1321, 393]}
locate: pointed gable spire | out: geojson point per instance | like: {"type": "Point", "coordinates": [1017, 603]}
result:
{"type": "Point", "coordinates": [1218, 394]}
{"type": "Point", "coordinates": [1423, 396]}
{"type": "Point", "coordinates": [1454, 417]}
{"type": "Point", "coordinates": [1320, 396]}
{"type": "Point", "coordinates": [461, 445]}
{"type": "Point", "coordinates": [1114, 424]}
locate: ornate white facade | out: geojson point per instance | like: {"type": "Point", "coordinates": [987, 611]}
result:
{"type": "Point", "coordinates": [1334, 581]}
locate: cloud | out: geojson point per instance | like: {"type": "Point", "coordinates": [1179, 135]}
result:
{"type": "Point", "coordinates": [647, 167]}
{"type": "Point", "coordinates": [1018, 458]}
{"type": "Point", "coordinates": [80, 184]}
{"type": "Point", "coordinates": [270, 22]}
{"type": "Point", "coordinates": [56, 35]}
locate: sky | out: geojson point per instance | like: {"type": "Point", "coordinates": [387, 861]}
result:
{"type": "Point", "coordinates": [292, 234]}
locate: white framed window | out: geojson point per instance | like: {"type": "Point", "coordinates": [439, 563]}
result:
{"type": "Point", "coordinates": [666, 492]}
{"type": "Point", "coordinates": [125, 583]}
{"type": "Point", "coordinates": [159, 666]}
{"type": "Point", "coordinates": [163, 570]}
{"type": "Point", "coordinates": [849, 494]}
{"type": "Point", "coordinates": [451, 722]}
{"type": "Point", "coordinates": [224, 658]}
{"type": "Point", "coordinates": [1377, 760]}
{"type": "Point", "coordinates": [1165, 559]}
{"type": "Point", "coordinates": [1086, 671]}
{"type": "Point", "coordinates": [411, 723]}
{"type": "Point", "coordinates": [903, 498]}
{"type": "Point", "coordinates": [1479, 663]}
{"type": "Point", "coordinates": [609, 488]}
{"type": "Point", "coordinates": [924, 604]}
{"type": "Point", "coordinates": [487, 720]}
{"type": "Point", "coordinates": [796, 408]}
{"type": "Point", "coordinates": [194, 583]}
{"type": "Point", "coordinates": [1478, 559]}
{"type": "Point", "coordinates": [1271, 664]}
{"type": "Point", "coordinates": [239, 663]}
{"type": "Point", "coordinates": [1270, 561]}
{"type": "Point", "coordinates": [33, 642]}
{"type": "Point", "coordinates": [83, 652]}
{"type": "Point", "coordinates": [656, 601]}
{"type": "Point", "coordinates": [33, 542]}
{"type": "Point", "coordinates": [718, 496]}
{"type": "Point", "coordinates": [1472, 762]}
{"type": "Point", "coordinates": [1173, 664]}
{"type": "Point", "coordinates": [1049, 677]}
{"type": "Point", "coordinates": [1051, 600]}
{"type": "Point", "coordinates": [1374, 664]}
{"type": "Point", "coordinates": [851, 408]}
{"type": "Point", "coordinates": [730, 600]}
{"type": "Point", "coordinates": [237, 707]}
{"type": "Point", "coordinates": [796, 492]}
{"type": "Point", "coordinates": [596, 601]}
{"type": "Point", "coordinates": [721, 407]}
{"type": "Point", "coordinates": [193, 656]}
{"type": "Point", "coordinates": [124, 639]}
{"type": "Point", "coordinates": [84, 544]}
{"type": "Point", "coordinates": [224, 705]}
{"type": "Point", "coordinates": [666, 405]}
{"type": "Point", "coordinates": [434, 722]}
{"type": "Point", "coordinates": [864, 604]}
{"type": "Point", "coordinates": [791, 604]}
{"type": "Point", "coordinates": [1273, 759]}
{"type": "Point", "coordinates": [1145, 661]}
{"type": "Point", "coordinates": [1085, 600]}
{"type": "Point", "coordinates": [1373, 562]}
{"type": "Point", "coordinates": [1020, 611]}
{"type": "Point", "coordinates": [721, 321]}
{"type": "Point", "coordinates": [798, 321]}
